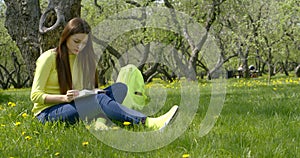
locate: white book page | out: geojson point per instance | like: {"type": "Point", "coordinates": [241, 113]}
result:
{"type": "Point", "coordinates": [86, 92]}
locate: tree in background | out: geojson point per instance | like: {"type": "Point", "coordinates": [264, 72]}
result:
{"type": "Point", "coordinates": [22, 18]}
{"type": "Point", "coordinates": [35, 32]}
{"type": "Point", "coordinates": [12, 67]}
{"type": "Point", "coordinates": [261, 33]}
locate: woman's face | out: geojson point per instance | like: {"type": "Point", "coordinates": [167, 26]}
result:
{"type": "Point", "coordinates": [76, 43]}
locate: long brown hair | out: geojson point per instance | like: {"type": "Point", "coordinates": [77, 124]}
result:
{"type": "Point", "coordinates": [74, 26]}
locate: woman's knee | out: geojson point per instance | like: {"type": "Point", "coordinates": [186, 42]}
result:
{"type": "Point", "coordinates": [103, 99]}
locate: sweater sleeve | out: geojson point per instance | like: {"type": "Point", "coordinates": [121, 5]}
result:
{"type": "Point", "coordinates": [42, 72]}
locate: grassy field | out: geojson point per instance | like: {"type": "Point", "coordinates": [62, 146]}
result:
{"type": "Point", "coordinates": [259, 119]}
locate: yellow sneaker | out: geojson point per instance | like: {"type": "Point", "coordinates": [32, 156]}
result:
{"type": "Point", "coordinates": [160, 122]}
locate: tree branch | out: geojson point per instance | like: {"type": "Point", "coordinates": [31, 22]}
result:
{"type": "Point", "coordinates": [111, 50]}
{"type": "Point", "coordinates": [60, 18]}
{"type": "Point", "coordinates": [133, 3]}
{"type": "Point", "coordinates": [98, 6]}
{"type": "Point", "coordinates": [168, 4]}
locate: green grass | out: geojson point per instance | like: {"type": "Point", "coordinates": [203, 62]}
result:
{"type": "Point", "coordinates": [258, 120]}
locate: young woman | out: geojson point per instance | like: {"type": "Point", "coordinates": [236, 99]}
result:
{"type": "Point", "coordinates": [60, 74]}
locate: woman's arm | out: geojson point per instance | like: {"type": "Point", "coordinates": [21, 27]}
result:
{"type": "Point", "coordinates": [44, 67]}
{"type": "Point", "coordinates": [42, 72]}
{"type": "Point", "coordinates": [55, 99]}
{"type": "Point", "coordinates": [71, 94]}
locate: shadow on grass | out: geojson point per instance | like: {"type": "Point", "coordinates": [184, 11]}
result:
{"type": "Point", "coordinates": [4, 98]}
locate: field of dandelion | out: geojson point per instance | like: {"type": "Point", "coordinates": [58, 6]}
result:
{"type": "Point", "coordinates": [258, 119]}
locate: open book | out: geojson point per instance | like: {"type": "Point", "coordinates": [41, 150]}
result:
{"type": "Point", "coordinates": [86, 92]}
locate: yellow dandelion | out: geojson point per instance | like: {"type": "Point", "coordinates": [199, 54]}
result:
{"type": "Point", "coordinates": [57, 154]}
{"type": "Point", "coordinates": [286, 81]}
{"type": "Point", "coordinates": [36, 132]}
{"type": "Point", "coordinates": [275, 89]}
{"type": "Point", "coordinates": [115, 128]}
{"type": "Point", "coordinates": [88, 127]}
{"type": "Point", "coordinates": [2, 125]}
{"type": "Point", "coordinates": [216, 116]}
{"type": "Point", "coordinates": [11, 104]}
{"type": "Point", "coordinates": [185, 155]}
{"type": "Point", "coordinates": [17, 123]}
{"type": "Point", "coordinates": [126, 123]}
{"type": "Point", "coordinates": [23, 133]}
{"type": "Point", "coordinates": [24, 115]}
{"type": "Point", "coordinates": [85, 143]}
{"type": "Point", "coordinates": [28, 138]}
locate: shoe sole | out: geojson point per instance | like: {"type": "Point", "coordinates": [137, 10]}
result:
{"type": "Point", "coordinates": [172, 118]}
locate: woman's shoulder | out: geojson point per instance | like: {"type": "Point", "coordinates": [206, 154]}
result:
{"type": "Point", "coordinates": [47, 57]}
{"type": "Point", "coordinates": [51, 53]}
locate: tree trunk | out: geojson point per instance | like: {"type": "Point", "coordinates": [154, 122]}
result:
{"type": "Point", "coordinates": [35, 33]}
{"type": "Point", "coordinates": [22, 18]}
{"type": "Point", "coordinates": [53, 20]}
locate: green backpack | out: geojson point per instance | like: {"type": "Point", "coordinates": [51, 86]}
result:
{"type": "Point", "coordinates": [133, 78]}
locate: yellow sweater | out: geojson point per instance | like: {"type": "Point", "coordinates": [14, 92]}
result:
{"type": "Point", "coordinates": [45, 80]}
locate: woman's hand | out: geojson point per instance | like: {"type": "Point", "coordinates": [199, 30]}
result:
{"type": "Point", "coordinates": [71, 94]}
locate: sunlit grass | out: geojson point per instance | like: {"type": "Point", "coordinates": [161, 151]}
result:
{"type": "Point", "coordinates": [259, 119]}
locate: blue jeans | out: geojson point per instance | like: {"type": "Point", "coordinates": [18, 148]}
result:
{"type": "Point", "coordinates": [67, 112]}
